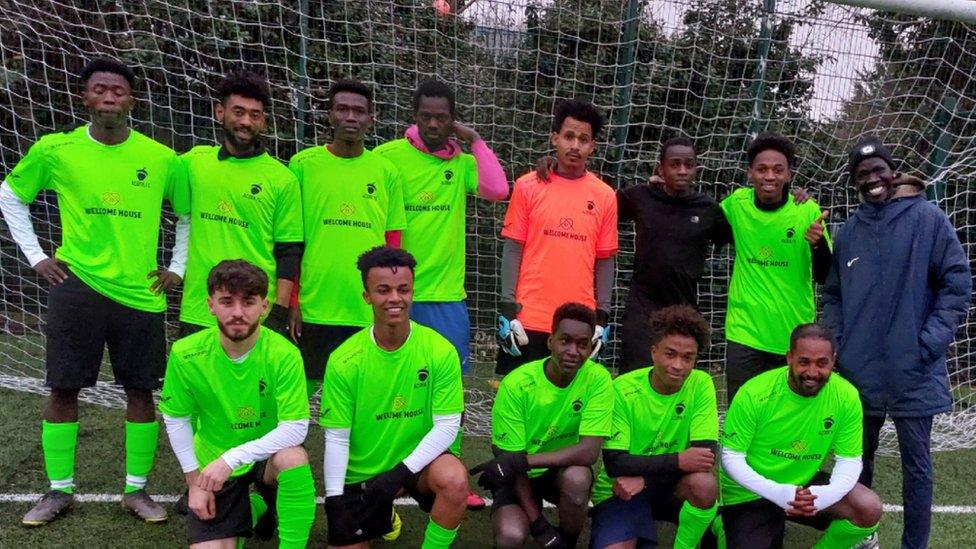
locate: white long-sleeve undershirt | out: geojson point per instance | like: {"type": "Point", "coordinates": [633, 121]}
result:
{"type": "Point", "coordinates": [843, 477]}
{"type": "Point", "coordinates": [435, 442]}
{"type": "Point", "coordinates": [285, 435]}
{"type": "Point", "coordinates": [735, 465]}
{"type": "Point", "coordinates": [181, 247]}
{"type": "Point", "coordinates": [17, 215]}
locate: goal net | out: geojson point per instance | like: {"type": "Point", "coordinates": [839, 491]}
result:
{"type": "Point", "coordinates": [716, 70]}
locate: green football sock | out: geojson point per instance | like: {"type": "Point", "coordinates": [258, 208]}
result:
{"type": "Point", "coordinates": [295, 506]}
{"type": "Point", "coordinates": [842, 534]}
{"type": "Point", "coordinates": [718, 530]}
{"type": "Point", "coordinates": [692, 524]}
{"type": "Point", "coordinates": [438, 537]}
{"type": "Point", "coordinates": [140, 451]}
{"type": "Point", "coordinates": [58, 442]}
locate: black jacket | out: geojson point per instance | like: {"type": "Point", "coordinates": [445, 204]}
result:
{"type": "Point", "coordinates": [672, 243]}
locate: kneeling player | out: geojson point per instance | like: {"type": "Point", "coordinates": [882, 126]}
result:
{"type": "Point", "coordinates": [777, 434]}
{"type": "Point", "coordinates": [548, 423]}
{"type": "Point", "coordinates": [244, 387]}
{"type": "Point", "coordinates": [660, 458]}
{"type": "Point", "coordinates": [391, 407]}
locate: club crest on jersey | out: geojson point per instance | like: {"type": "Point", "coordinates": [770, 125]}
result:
{"type": "Point", "coordinates": [790, 233]}
{"type": "Point", "coordinates": [262, 386]}
{"type": "Point", "coordinates": [679, 409]}
{"type": "Point", "coordinates": [577, 406]}
{"type": "Point", "coordinates": [448, 176]}
{"type": "Point", "coordinates": [590, 208]}
{"type": "Point", "coordinates": [828, 424]}
{"type": "Point", "coordinates": [140, 181]}
{"type": "Point", "coordinates": [422, 375]}
{"type": "Point", "coordinates": [253, 191]}
{"type": "Point", "coordinates": [370, 191]}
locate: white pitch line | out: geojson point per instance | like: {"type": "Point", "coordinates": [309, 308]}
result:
{"type": "Point", "coordinates": [408, 502]}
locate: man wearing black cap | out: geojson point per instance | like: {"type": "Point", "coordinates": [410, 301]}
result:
{"type": "Point", "coordinates": [898, 288]}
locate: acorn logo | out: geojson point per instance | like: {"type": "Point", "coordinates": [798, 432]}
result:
{"type": "Point", "coordinates": [262, 385]}
{"type": "Point", "coordinates": [256, 188]}
{"type": "Point", "coordinates": [448, 175]}
{"type": "Point", "coordinates": [828, 422]}
{"type": "Point", "coordinates": [790, 232]}
{"type": "Point", "coordinates": [422, 374]}
{"type": "Point", "coordinates": [590, 205]}
{"type": "Point", "coordinates": [371, 188]}
{"type": "Point", "coordinates": [577, 405]}
{"type": "Point", "coordinates": [141, 174]}
{"type": "Point", "coordinates": [679, 408]}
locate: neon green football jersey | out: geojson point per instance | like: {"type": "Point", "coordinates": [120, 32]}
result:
{"type": "Point", "coordinates": [233, 403]}
{"type": "Point", "coordinates": [786, 437]}
{"type": "Point", "coordinates": [532, 415]}
{"type": "Point", "coordinates": [349, 204]}
{"type": "Point", "coordinates": [771, 290]}
{"type": "Point", "coordinates": [388, 399]}
{"type": "Point", "coordinates": [647, 423]}
{"type": "Point", "coordinates": [435, 199]}
{"type": "Point", "coordinates": [239, 208]}
{"type": "Point", "coordinates": [110, 200]}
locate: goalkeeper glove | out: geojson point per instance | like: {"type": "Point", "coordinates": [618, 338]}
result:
{"type": "Point", "coordinates": [501, 470]}
{"type": "Point", "coordinates": [511, 333]}
{"type": "Point", "coordinates": [601, 334]}
{"type": "Point", "coordinates": [546, 535]}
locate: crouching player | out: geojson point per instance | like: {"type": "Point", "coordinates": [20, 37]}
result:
{"type": "Point", "coordinates": [549, 420]}
{"type": "Point", "coordinates": [244, 387]}
{"type": "Point", "coordinates": [391, 407]}
{"type": "Point", "coordinates": [778, 431]}
{"type": "Point", "coordinates": [660, 457]}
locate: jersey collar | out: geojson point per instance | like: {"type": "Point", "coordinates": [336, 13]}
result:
{"type": "Point", "coordinates": [224, 154]}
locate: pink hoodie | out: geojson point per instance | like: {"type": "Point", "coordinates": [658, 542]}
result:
{"type": "Point", "coordinates": [492, 183]}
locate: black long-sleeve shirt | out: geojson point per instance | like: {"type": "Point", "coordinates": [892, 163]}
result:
{"type": "Point", "coordinates": [673, 235]}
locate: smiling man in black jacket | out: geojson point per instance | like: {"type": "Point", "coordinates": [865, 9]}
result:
{"type": "Point", "coordinates": [674, 225]}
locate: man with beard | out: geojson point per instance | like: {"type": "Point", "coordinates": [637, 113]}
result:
{"type": "Point", "coordinates": [659, 463]}
{"type": "Point", "coordinates": [898, 289]}
{"type": "Point", "coordinates": [244, 204]}
{"type": "Point", "coordinates": [548, 423]}
{"type": "Point", "coordinates": [106, 286]}
{"type": "Point", "coordinates": [777, 434]}
{"type": "Point", "coordinates": [391, 408]}
{"type": "Point", "coordinates": [352, 201]}
{"type": "Point", "coordinates": [244, 388]}
{"type": "Point", "coordinates": [781, 248]}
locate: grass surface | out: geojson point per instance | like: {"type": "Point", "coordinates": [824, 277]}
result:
{"type": "Point", "coordinates": [100, 470]}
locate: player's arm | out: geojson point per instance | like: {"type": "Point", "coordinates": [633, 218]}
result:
{"type": "Point", "coordinates": [832, 300]}
{"type": "Point", "coordinates": [29, 177]}
{"type": "Point", "coordinates": [492, 183]}
{"type": "Point", "coordinates": [741, 423]}
{"type": "Point", "coordinates": [288, 261]}
{"type": "Point", "coordinates": [952, 281]}
{"type": "Point", "coordinates": [177, 192]}
{"type": "Point", "coordinates": [511, 333]}
{"type": "Point", "coordinates": [848, 448]}
{"type": "Point", "coordinates": [721, 229]}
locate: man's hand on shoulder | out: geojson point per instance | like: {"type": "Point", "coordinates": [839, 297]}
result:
{"type": "Point", "coordinates": [800, 195]}
{"type": "Point", "coordinates": [51, 270]}
{"type": "Point", "coordinates": [545, 166]}
{"type": "Point", "coordinates": [165, 280]}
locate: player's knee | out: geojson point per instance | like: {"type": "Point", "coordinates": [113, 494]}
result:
{"type": "Point", "coordinates": [289, 458]}
{"type": "Point", "coordinates": [866, 505]}
{"type": "Point", "coordinates": [575, 483]}
{"type": "Point", "coordinates": [449, 478]}
{"type": "Point", "coordinates": [510, 534]}
{"type": "Point", "coordinates": [60, 398]}
{"type": "Point", "coordinates": [702, 489]}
